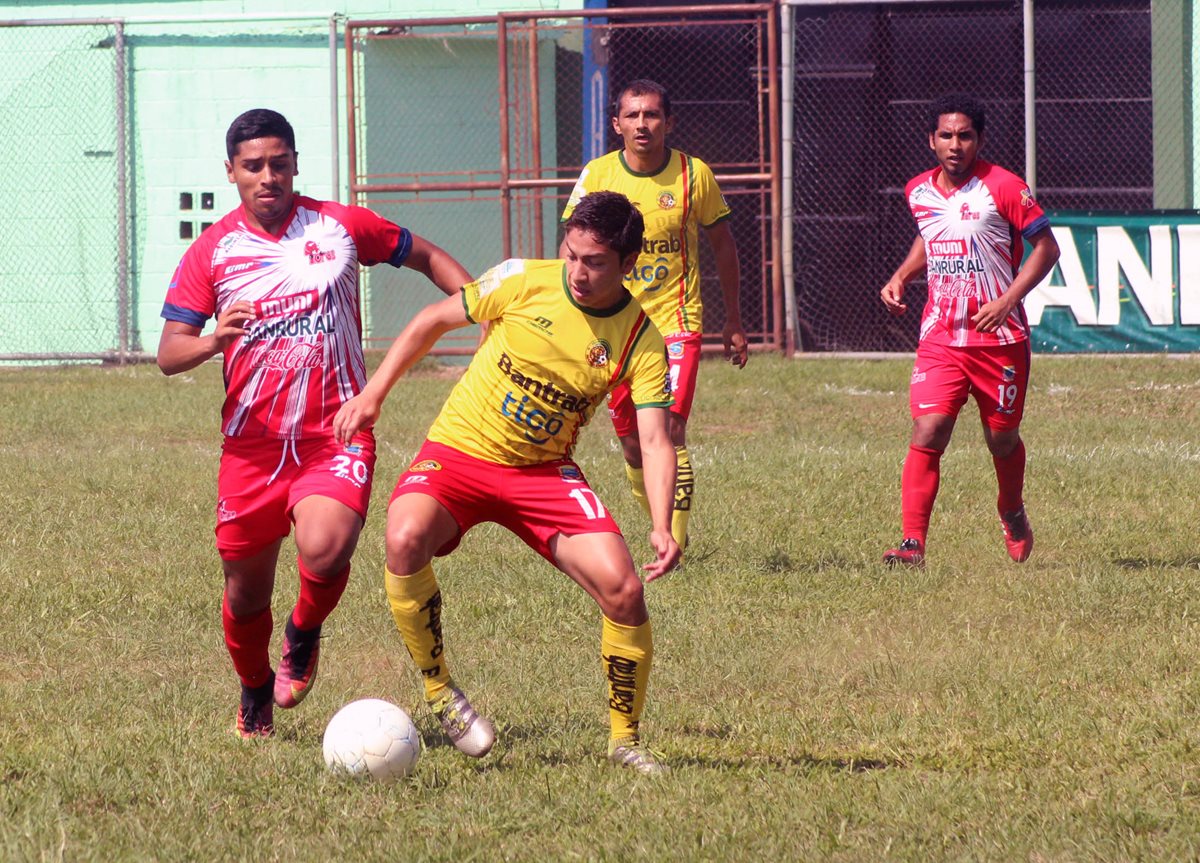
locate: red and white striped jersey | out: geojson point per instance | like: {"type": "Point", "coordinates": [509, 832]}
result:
{"type": "Point", "coordinates": [302, 356]}
{"type": "Point", "coordinates": [973, 245]}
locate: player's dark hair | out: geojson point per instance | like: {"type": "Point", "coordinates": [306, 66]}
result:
{"type": "Point", "coordinates": [258, 123]}
{"type": "Point", "coordinates": [956, 103]}
{"type": "Point", "coordinates": [643, 87]}
{"type": "Point", "coordinates": [612, 219]}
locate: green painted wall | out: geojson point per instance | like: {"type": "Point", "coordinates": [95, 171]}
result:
{"type": "Point", "coordinates": [187, 79]}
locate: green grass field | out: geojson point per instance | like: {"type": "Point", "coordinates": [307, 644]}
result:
{"type": "Point", "coordinates": [813, 704]}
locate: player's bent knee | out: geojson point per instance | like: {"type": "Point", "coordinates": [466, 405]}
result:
{"type": "Point", "coordinates": [624, 601]}
{"type": "Point", "coordinates": [407, 548]}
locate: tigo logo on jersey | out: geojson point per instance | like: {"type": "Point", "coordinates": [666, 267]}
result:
{"type": "Point", "coordinates": [427, 464]}
{"type": "Point", "coordinates": [598, 353]}
{"type": "Point", "coordinates": [353, 449]}
{"type": "Point", "coordinates": [666, 201]}
{"type": "Point", "coordinates": [1010, 373]}
{"type": "Point", "coordinates": [570, 473]}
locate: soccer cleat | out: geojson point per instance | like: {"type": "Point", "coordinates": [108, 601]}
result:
{"type": "Point", "coordinates": [632, 753]}
{"type": "Point", "coordinates": [1018, 535]}
{"type": "Point", "coordinates": [470, 733]}
{"type": "Point", "coordinates": [298, 667]}
{"type": "Point", "coordinates": [255, 715]}
{"type": "Point", "coordinates": [910, 553]}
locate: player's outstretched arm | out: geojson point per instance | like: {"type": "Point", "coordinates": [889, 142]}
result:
{"type": "Point", "coordinates": [658, 466]}
{"type": "Point", "coordinates": [729, 274]}
{"type": "Point", "coordinates": [1037, 266]}
{"type": "Point", "coordinates": [414, 342]}
{"type": "Point", "coordinates": [437, 265]}
{"type": "Point", "coordinates": [913, 265]}
{"type": "Point", "coordinates": [181, 347]}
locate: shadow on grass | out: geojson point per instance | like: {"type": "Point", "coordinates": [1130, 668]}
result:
{"type": "Point", "coordinates": [802, 761]}
{"type": "Point", "coordinates": [1192, 562]}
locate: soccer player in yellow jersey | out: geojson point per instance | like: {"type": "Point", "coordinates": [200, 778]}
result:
{"type": "Point", "coordinates": [677, 195]}
{"type": "Point", "coordinates": [562, 334]}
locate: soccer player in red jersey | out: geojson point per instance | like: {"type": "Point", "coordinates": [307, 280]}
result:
{"type": "Point", "coordinates": [677, 195]}
{"type": "Point", "coordinates": [563, 334]}
{"type": "Point", "coordinates": [280, 274]}
{"type": "Point", "coordinates": [973, 218]}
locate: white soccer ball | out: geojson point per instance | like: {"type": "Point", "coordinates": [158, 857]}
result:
{"type": "Point", "coordinates": [372, 737]}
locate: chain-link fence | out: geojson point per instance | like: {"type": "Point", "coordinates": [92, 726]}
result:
{"type": "Point", "coordinates": [64, 260]}
{"type": "Point", "coordinates": [862, 76]}
{"type": "Point", "coordinates": [524, 99]}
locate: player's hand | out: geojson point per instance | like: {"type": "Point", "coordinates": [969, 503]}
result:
{"type": "Point", "coordinates": [353, 416]}
{"type": "Point", "coordinates": [893, 295]}
{"type": "Point", "coordinates": [666, 554]}
{"type": "Point", "coordinates": [233, 323]}
{"type": "Point", "coordinates": [736, 349]}
{"type": "Point", "coordinates": [993, 314]}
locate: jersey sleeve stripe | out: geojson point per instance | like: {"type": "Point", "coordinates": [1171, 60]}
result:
{"type": "Point", "coordinates": [639, 328]}
{"type": "Point", "coordinates": [172, 312]}
{"type": "Point", "coordinates": [403, 248]}
{"type": "Point", "coordinates": [1036, 226]}
{"type": "Point", "coordinates": [686, 178]}
{"type": "Point", "coordinates": [462, 295]}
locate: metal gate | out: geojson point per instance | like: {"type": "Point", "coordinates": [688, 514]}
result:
{"type": "Point", "coordinates": [472, 131]}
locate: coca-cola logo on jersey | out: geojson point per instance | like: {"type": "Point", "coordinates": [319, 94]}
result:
{"type": "Point", "coordinates": [298, 356]}
{"type": "Point", "coordinates": [292, 304]}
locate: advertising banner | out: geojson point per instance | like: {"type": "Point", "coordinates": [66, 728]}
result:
{"type": "Point", "coordinates": [1124, 283]}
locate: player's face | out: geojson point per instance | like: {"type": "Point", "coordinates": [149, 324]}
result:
{"type": "Point", "coordinates": [642, 125]}
{"type": "Point", "coordinates": [955, 144]}
{"type": "Point", "coordinates": [594, 270]}
{"type": "Point", "coordinates": [264, 170]}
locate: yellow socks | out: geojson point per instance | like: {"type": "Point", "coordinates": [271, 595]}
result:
{"type": "Point", "coordinates": [637, 485]}
{"type": "Point", "coordinates": [625, 653]}
{"type": "Point", "coordinates": [685, 484]}
{"type": "Point", "coordinates": [416, 605]}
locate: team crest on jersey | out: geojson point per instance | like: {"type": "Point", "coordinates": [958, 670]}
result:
{"type": "Point", "coordinates": [570, 473]}
{"type": "Point", "coordinates": [598, 353]}
{"type": "Point", "coordinates": [675, 350]}
{"type": "Point", "coordinates": [666, 201]}
{"type": "Point", "coordinates": [427, 464]}
{"type": "Point", "coordinates": [1010, 373]}
{"type": "Point", "coordinates": [316, 254]}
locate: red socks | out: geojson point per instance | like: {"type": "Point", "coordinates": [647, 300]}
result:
{"type": "Point", "coordinates": [918, 490]}
{"type": "Point", "coordinates": [318, 596]}
{"type": "Point", "coordinates": [248, 640]}
{"type": "Point", "coordinates": [1010, 474]}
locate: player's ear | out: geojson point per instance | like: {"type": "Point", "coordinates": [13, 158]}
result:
{"type": "Point", "coordinates": [627, 263]}
{"type": "Point", "coordinates": [616, 126]}
{"type": "Point", "coordinates": [295, 162]}
{"type": "Point", "coordinates": [229, 171]}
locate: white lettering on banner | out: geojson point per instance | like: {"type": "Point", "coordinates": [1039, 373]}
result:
{"type": "Point", "coordinates": [1075, 292]}
{"type": "Point", "coordinates": [1189, 274]}
{"type": "Point", "coordinates": [1115, 253]}
{"type": "Point", "coordinates": [1116, 256]}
